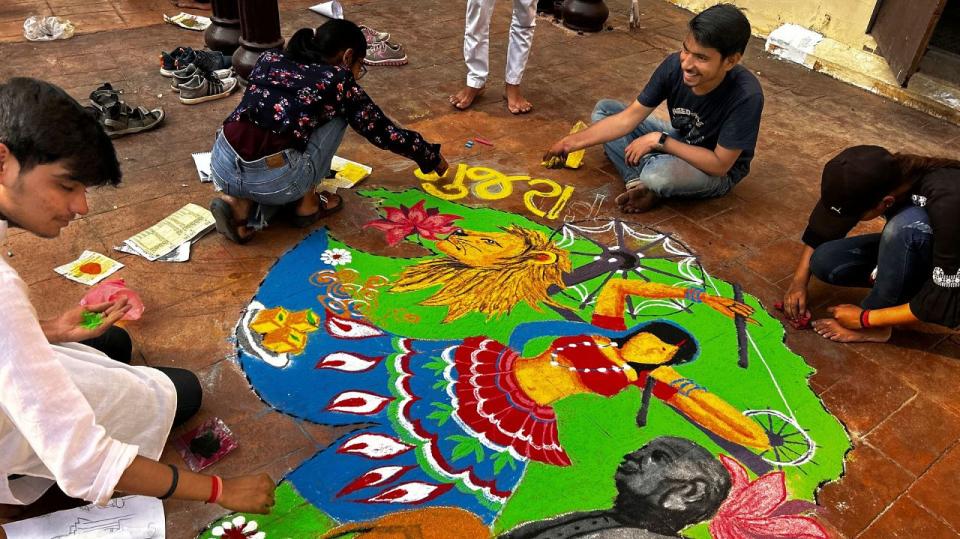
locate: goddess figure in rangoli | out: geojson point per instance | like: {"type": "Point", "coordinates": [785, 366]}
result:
{"type": "Point", "coordinates": [453, 423]}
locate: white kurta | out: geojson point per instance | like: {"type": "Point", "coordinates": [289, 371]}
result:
{"type": "Point", "coordinates": [68, 413]}
{"type": "Point", "coordinates": [476, 40]}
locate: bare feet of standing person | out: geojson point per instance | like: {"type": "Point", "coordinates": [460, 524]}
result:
{"type": "Point", "coordinates": [515, 100]}
{"type": "Point", "coordinates": [465, 97]}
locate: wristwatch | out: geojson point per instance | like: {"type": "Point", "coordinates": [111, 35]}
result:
{"type": "Point", "coordinates": [663, 139]}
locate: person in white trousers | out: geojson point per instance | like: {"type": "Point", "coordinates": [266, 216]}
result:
{"type": "Point", "coordinates": [476, 49]}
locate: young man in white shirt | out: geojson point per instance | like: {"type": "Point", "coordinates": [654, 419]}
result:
{"type": "Point", "coordinates": [476, 53]}
{"type": "Point", "coordinates": [69, 414]}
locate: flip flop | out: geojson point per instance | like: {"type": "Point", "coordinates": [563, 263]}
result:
{"type": "Point", "coordinates": [226, 225]}
{"type": "Point", "coordinates": [303, 221]}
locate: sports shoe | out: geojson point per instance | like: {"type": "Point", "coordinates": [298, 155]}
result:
{"type": "Point", "coordinates": [373, 36]}
{"type": "Point", "coordinates": [184, 56]}
{"type": "Point", "coordinates": [383, 53]}
{"type": "Point", "coordinates": [205, 87]}
{"type": "Point", "coordinates": [182, 76]}
{"type": "Point", "coordinates": [168, 60]}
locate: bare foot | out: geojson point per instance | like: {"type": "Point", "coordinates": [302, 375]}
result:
{"type": "Point", "coordinates": [828, 328]}
{"type": "Point", "coordinates": [637, 199]}
{"type": "Point", "coordinates": [515, 100]}
{"type": "Point", "coordinates": [241, 208]}
{"type": "Point", "coordinates": [189, 4]}
{"type": "Point", "coordinates": [464, 98]}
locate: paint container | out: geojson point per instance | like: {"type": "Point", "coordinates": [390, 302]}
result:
{"type": "Point", "coordinates": [206, 444]}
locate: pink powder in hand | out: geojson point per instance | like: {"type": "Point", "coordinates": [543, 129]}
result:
{"type": "Point", "coordinates": [113, 290]}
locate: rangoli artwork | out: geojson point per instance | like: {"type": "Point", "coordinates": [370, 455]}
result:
{"type": "Point", "coordinates": [521, 380]}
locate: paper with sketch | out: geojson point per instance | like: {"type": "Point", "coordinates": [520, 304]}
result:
{"type": "Point", "coordinates": [185, 224]}
{"type": "Point", "coordinates": [202, 161]}
{"type": "Point", "coordinates": [129, 517]}
{"type": "Point", "coordinates": [89, 269]}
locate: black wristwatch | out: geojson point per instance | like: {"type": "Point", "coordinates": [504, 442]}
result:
{"type": "Point", "coordinates": [663, 139]}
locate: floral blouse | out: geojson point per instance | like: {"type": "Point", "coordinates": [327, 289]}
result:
{"type": "Point", "coordinates": [290, 98]}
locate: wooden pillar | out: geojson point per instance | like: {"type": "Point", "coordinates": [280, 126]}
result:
{"type": "Point", "coordinates": [224, 32]}
{"type": "Point", "coordinates": [259, 31]}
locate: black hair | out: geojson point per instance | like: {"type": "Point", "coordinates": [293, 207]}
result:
{"type": "Point", "coordinates": [41, 124]}
{"type": "Point", "coordinates": [320, 46]}
{"type": "Point", "coordinates": [722, 27]}
{"type": "Point", "coordinates": [670, 334]}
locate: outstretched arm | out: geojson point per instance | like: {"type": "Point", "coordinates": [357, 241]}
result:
{"type": "Point", "coordinates": [607, 129]}
{"type": "Point", "coordinates": [613, 298]}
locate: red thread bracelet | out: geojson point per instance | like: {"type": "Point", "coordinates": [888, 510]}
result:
{"type": "Point", "coordinates": [216, 489]}
{"type": "Point", "coordinates": [865, 318]}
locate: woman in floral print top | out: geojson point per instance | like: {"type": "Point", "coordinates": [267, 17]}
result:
{"type": "Point", "coordinates": [277, 145]}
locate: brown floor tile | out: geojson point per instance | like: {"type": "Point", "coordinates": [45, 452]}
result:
{"type": "Point", "coordinates": [938, 490]}
{"type": "Point", "coordinates": [867, 395]}
{"type": "Point", "coordinates": [906, 520]}
{"type": "Point", "coordinates": [777, 260]}
{"type": "Point", "coordinates": [872, 482]}
{"type": "Point", "coordinates": [918, 419]}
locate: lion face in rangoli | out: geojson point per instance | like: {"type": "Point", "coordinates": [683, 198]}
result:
{"type": "Point", "coordinates": [489, 272]}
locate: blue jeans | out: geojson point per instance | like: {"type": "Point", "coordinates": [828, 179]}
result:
{"type": "Point", "coordinates": [664, 174]}
{"type": "Point", "coordinates": [274, 181]}
{"type": "Point", "coordinates": [902, 255]}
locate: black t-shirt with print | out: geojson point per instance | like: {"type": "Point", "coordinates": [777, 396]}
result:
{"type": "Point", "coordinates": [729, 115]}
{"type": "Point", "coordinates": [938, 192]}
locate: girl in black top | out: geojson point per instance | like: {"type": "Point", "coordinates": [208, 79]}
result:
{"type": "Point", "coordinates": [913, 266]}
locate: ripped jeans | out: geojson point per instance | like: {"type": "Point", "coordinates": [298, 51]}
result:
{"type": "Point", "coordinates": [902, 255]}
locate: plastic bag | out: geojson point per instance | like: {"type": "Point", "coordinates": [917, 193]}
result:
{"type": "Point", "coordinates": [39, 28]}
{"type": "Point", "coordinates": [113, 290]}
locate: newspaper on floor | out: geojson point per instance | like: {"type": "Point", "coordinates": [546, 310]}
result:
{"type": "Point", "coordinates": [129, 517]}
{"type": "Point", "coordinates": [182, 227]}
{"type": "Point", "coordinates": [89, 269]}
{"type": "Point", "coordinates": [188, 21]}
{"type": "Point", "coordinates": [202, 161]}
{"type": "Point", "coordinates": [348, 174]}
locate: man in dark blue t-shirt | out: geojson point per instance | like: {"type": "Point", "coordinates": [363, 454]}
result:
{"type": "Point", "coordinates": [715, 106]}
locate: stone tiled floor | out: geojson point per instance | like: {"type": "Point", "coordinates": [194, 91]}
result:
{"type": "Point", "coordinates": [898, 401]}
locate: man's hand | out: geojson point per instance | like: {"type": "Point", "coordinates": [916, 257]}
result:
{"type": "Point", "coordinates": [68, 326]}
{"type": "Point", "coordinates": [556, 156]}
{"type": "Point", "coordinates": [248, 494]}
{"type": "Point", "coordinates": [847, 315]}
{"type": "Point", "coordinates": [641, 147]}
{"type": "Point", "coordinates": [795, 301]}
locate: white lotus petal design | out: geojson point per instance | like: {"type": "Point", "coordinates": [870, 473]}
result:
{"type": "Point", "coordinates": [350, 329]}
{"type": "Point", "coordinates": [374, 446]}
{"type": "Point", "coordinates": [410, 493]}
{"type": "Point", "coordinates": [343, 361]}
{"type": "Point", "coordinates": [358, 402]}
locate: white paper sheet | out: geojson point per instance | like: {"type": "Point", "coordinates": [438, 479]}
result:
{"type": "Point", "coordinates": [130, 517]}
{"type": "Point", "coordinates": [202, 161]}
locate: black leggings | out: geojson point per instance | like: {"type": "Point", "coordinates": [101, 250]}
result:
{"type": "Point", "coordinates": [116, 344]}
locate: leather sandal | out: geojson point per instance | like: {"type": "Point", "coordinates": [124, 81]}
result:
{"type": "Point", "coordinates": [226, 224]}
{"type": "Point", "coordinates": [303, 221]}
